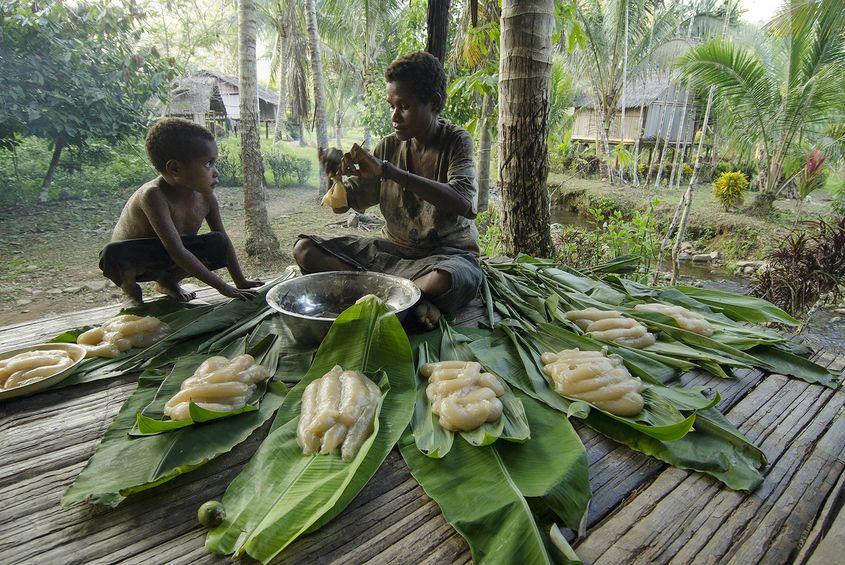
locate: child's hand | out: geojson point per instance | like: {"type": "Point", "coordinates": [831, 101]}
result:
{"type": "Point", "coordinates": [247, 283]}
{"type": "Point", "coordinates": [232, 292]}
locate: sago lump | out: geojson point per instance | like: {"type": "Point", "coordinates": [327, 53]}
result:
{"type": "Point", "coordinates": [122, 333]}
{"type": "Point", "coordinates": [610, 325]}
{"type": "Point", "coordinates": [595, 377]}
{"type": "Point", "coordinates": [32, 366]}
{"type": "Point", "coordinates": [338, 409]}
{"type": "Point", "coordinates": [687, 319]}
{"type": "Point", "coordinates": [218, 384]}
{"type": "Point", "coordinates": [461, 395]}
{"type": "Point", "coordinates": [335, 197]}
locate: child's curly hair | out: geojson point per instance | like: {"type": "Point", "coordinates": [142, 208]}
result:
{"type": "Point", "coordinates": [423, 73]}
{"type": "Point", "coordinates": [175, 138]}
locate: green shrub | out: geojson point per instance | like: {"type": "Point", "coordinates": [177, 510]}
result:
{"type": "Point", "coordinates": [687, 170]}
{"type": "Point", "coordinates": [98, 168]}
{"type": "Point", "coordinates": [286, 166]}
{"type": "Point", "coordinates": [729, 188]}
{"type": "Point", "coordinates": [229, 162]}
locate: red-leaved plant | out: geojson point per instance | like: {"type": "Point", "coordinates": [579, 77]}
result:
{"type": "Point", "coordinates": [809, 263]}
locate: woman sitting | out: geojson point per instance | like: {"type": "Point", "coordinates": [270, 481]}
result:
{"type": "Point", "coordinates": [423, 178]}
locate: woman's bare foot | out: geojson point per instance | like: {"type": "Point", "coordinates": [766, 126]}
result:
{"type": "Point", "coordinates": [174, 291]}
{"type": "Point", "coordinates": [132, 291]}
{"type": "Point", "coordinates": [427, 314]}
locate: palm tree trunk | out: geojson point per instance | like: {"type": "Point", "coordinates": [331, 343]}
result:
{"type": "Point", "coordinates": [438, 28]}
{"type": "Point", "coordinates": [484, 145]}
{"type": "Point", "coordinates": [637, 143]}
{"type": "Point", "coordinates": [525, 65]}
{"type": "Point", "coordinates": [58, 145]}
{"type": "Point", "coordinates": [260, 240]}
{"type": "Point", "coordinates": [604, 129]}
{"type": "Point", "coordinates": [624, 85]}
{"type": "Point", "coordinates": [676, 249]}
{"type": "Point", "coordinates": [319, 98]}
{"type": "Point", "coordinates": [676, 158]}
{"type": "Point", "coordinates": [281, 110]}
{"type": "Point", "coordinates": [667, 141]}
{"type": "Point", "coordinates": [338, 124]}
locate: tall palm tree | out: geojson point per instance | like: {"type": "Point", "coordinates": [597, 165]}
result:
{"type": "Point", "coordinates": [604, 56]}
{"type": "Point", "coordinates": [317, 77]}
{"type": "Point", "coordinates": [260, 240]}
{"type": "Point", "coordinates": [782, 90]}
{"type": "Point", "coordinates": [524, 84]}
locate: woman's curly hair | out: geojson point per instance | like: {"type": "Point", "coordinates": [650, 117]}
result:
{"type": "Point", "coordinates": [175, 138]}
{"type": "Point", "coordinates": [423, 73]}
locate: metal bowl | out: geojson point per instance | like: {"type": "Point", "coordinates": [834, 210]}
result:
{"type": "Point", "coordinates": [310, 304]}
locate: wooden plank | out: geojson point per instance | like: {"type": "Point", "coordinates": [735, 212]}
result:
{"type": "Point", "coordinates": [48, 438]}
{"type": "Point", "coordinates": [684, 517]}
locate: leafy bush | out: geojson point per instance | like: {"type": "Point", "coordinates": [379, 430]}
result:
{"type": "Point", "coordinates": [286, 166]}
{"type": "Point", "coordinates": [612, 234]}
{"type": "Point", "coordinates": [729, 188]}
{"type": "Point", "coordinates": [809, 264]}
{"type": "Point", "coordinates": [229, 163]}
{"type": "Point", "coordinates": [98, 168]}
{"type": "Point", "coordinates": [687, 170]}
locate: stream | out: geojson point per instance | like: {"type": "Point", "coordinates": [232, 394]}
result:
{"type": "Point", "coordinates": [826, 328]}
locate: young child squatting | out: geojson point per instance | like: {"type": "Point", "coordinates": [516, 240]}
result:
{"type": "Point", "coordinates": [156, 239]}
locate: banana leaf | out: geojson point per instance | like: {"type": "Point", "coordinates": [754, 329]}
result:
{"type": "Point", "coordinates": [122, 466]}
{"type": "Point", "coordinates": [151, 420]}
{"type": "Point", "coordinates": [281, 494]}
{"type": "Point", "coordinates": [793, 365]}
{"type": "Point", "coordinates": [739, 307]}
{"type": "Point", "coordinates": [660, 418]}
{"type": "Point", "coordinates": [223, 317]}
{"type": "Point", "coordinates": [493, 495]}
{"type": "Point", "coordinates": [436, 441]}
{"type": "Point", "coordinates": [715, 448]}
{"type": "Point", "coordinates": [175, 314]}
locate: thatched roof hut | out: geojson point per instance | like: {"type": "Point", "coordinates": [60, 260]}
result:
{"type": "Point", "coordinates": [658, 100]}
{"type": "Point", "coordinates": [205, 95]}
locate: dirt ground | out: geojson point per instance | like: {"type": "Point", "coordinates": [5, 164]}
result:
{"type": "Point", "coordinates": [50, 251]}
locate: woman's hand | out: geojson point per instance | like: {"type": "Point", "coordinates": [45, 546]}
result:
{"type": "Point", "coordinates": [361, 162]}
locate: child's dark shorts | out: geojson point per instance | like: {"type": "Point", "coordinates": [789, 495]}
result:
{"type": "Point", "coordinates": [149, 260]}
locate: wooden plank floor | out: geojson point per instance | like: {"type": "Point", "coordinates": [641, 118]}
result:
{"type": "Point", "coordinates": [642, 510]}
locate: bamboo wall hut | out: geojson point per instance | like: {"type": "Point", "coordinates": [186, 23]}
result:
{"type": "Point", "coordinates": [658, 101]}
{"type": "Point", "coordinates": [210, 97]}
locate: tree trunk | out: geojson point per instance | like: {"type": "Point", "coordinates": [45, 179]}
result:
{"type": "Point", "coordinates": [667, 141]}
{"type": "Point", "coordinates": [438, 28]}
{"type": "Point", "coordinates": [319, 99]}
{"type": "Point", "coordinates": [484, 144]}
{"type": "Point", "coordinates": [525, 65]}
{"type": "Point", "coordinates": [656, 149]}
{"type": "Point", "coordinates": [677, 158]}
{"type": "Point", "coordinates": [261, 242]}
{"type": "Point", "coordinates": [338, 124]}
{"type": "Point", "coordinates": [302, 134]}
{"type": "Point", "coordinates": [51, 170]}
{"type": "Point", "coordinates": [279, 132]}
{"type": "Point", "coordinates": [624, 84]}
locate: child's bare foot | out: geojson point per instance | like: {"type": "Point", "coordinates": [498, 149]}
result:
{"type": "Point", "coordinates": [173, 290]}
{"type": "Point", "coordinates": [132, 291]}
{"type": "Point", "coordinates": [427, 314]}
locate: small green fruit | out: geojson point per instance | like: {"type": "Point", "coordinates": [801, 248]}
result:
{"type": "Point", "coordinates": [211, 514]}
